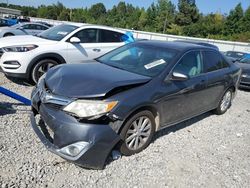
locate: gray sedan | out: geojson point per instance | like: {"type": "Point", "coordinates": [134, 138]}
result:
{"type": "Point", "coordinates": [23, 29]}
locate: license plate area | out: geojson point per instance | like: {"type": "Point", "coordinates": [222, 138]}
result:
{"type": "Point", "coordinates": [46, 130]}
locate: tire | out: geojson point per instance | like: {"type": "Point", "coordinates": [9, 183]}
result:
{"type": "Point", "coordinates": [134, 141]}
{"type": "Point", "coordinates": [8, 35]}
{"type": "Point", "coordinates": [225, 102]}
{"type": "Point", "coordinates": [41, 67]}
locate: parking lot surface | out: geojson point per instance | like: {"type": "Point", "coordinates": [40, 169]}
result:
{"type": "Point", "coordinates": [207, 151]}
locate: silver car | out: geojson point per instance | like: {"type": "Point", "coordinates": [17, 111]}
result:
{"type": "Point", "coordinates": [23, 29]}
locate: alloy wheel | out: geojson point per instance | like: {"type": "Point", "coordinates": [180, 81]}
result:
{"type": "Point", "coordinates": [226, 101]}
{"type": "Point", "coordinates": [138, 133]}
{"type": "Point", "coordinates": [43, 69]}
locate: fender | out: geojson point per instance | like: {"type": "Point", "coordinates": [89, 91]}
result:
{"type": "Point", "coordinates": [54, 56]}
{"type": "Point", "coordinates": [143, 106]}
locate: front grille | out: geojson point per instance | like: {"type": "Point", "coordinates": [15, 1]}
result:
{"type": "Point", "coordinates": [46, 88]}
{"type": "Point", "coordinates": [1, 52]}
{"type": "Point", "coordinates": [55, 106]}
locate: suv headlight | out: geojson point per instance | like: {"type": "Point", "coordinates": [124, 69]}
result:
{"type": "Point", "coordinates": [88, 108]}
{"type": "Point", "coordinates": [21, 48]}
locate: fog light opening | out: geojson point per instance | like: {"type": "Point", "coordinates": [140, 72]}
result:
{"type": "Point", "coordinates": [74, 149]}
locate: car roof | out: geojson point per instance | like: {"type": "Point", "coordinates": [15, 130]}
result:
{"type": "Point", "coordinates": [179, 46]}
{"type": "Point", "coordinates": [199, 43]}
{"type": "Point", "coordinates": [82, 25]}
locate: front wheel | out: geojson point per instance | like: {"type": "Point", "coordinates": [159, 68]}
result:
{"type": "Point", "coordinates": [41, 68]}
{"type": "Point", "coordinates": [137, 133]}
{"type": "Point", "coordinates": [225, 103]}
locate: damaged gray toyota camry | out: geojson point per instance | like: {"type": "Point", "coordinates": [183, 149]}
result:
{"type": "Point", "coordinates": [121, 99]}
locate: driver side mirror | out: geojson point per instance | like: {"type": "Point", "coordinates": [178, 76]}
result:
{"type": "Point", "coordinates": [75, 40]}
{"type": "Point", "coordinates": [179, 76]}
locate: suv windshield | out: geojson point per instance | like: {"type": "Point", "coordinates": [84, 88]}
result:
{"type": "Point", "coordinates": [57, 33]}
{"type": "Point", "coordinates": [139, 58]}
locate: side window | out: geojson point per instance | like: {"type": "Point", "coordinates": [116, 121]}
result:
{"type": "Point", "coordinates": [87, 35]}
{"type": "Point", "coordinates": [33, 27]}
{"type": "Point", "coordinates": [43, 28]}
{"type": "Point", "coordinates": [224, 62]}
{"type": "Point", "coordinates": [190, 64]}
{"type": "Point", "coordinates": [213, 61]}
{"type": "Point", "coordinates": [38, 27]}
{"type": "Point", "coordinates": [110, 36]}
{"type": "Point", "coordinates": [28, 26]}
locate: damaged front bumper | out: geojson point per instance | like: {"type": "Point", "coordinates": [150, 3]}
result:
{"type": "Point", "coordinates": [85, 144]}
{"type": "Point", "coordinates": [245, 81]}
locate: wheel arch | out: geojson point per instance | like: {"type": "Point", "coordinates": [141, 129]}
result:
{"type": "Point", "coordinates": [54, 56]}
{"type": "Point", "coordinates": [8, 33]}
{"type": "Point", "coordinates": [150, 108]}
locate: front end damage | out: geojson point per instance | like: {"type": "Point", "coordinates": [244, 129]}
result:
{"type": "Point", "coordinates": [74, 105]}
{"type": "Point", "coordinates": [86, 143]}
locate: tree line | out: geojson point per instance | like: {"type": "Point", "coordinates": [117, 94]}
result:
{"type": "Point", "coordinates": [161, 17]}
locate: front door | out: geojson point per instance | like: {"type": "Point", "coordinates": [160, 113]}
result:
{"type": "Point", "coordinates": [185, 98]}
{"type": "Point", "coordinates": [87, 49]}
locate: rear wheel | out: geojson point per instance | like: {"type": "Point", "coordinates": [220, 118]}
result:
{"type": "Point", "coordinates": [137, 133]}
{"type": "Point", "coordinates": [225, 102]}
{"type": "Point", "coordinates": [41, 68]}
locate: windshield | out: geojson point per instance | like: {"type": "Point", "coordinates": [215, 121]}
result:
{"type": "Point", "coordinates": [57, 33]}
{"type": "Point", "coordinates": [245, 60]}
{"type": "Point", "coordinates": [139, 58]}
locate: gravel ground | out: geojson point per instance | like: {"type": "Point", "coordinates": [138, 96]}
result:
{"type": "Point", "coordinates": [207, 151]}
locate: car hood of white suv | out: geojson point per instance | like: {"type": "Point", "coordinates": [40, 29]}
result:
{"type": "Point", "coordinates": [23, 40]}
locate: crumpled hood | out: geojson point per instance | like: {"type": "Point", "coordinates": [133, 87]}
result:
{"type": "Point", "coordinates": [24, 39]}
{"type": "Point", "coordinates": [89, 80]}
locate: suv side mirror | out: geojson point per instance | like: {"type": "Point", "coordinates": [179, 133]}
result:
{"type": "Point", "coordinates": [74, 40]}
{"type": "Point", "coordinates": [179, 76]}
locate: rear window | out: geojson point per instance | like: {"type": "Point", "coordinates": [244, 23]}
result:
{"type": "Point", "coordinates": [213, 61]}
{"type": "Point", "coordinates": [110, 36]}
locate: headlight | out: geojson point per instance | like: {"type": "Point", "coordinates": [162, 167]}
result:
{"type": "Point", "coordinates": [245, 75]}
{"type": "Point", "coordinates": [23, 48]}
{"type": "Point", "coordinates": [88, 108]}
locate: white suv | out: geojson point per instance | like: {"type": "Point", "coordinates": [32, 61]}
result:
{"type": "Point", "coordinates": [31, 56]}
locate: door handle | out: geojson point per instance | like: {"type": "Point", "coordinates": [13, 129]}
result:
{"type": "Point", "coordinates": [96, 49]}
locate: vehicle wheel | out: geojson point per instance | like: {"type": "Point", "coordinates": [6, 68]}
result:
{"type": "Point", "coordinates": [41, 68]}
{"type": "Point", "coordinates": [8, 35]}
{"type": "Point", "coordinates": [137, 133]}
{"type": "Point", "coordinates": [225, 103]}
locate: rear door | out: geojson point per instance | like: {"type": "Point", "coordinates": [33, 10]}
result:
{"type": "Point", "coordinates": [188, 96]}
{"type": "Point", "coordinates": [218, 75]}
{"type": "Point", "coordinates": [110, 40]}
